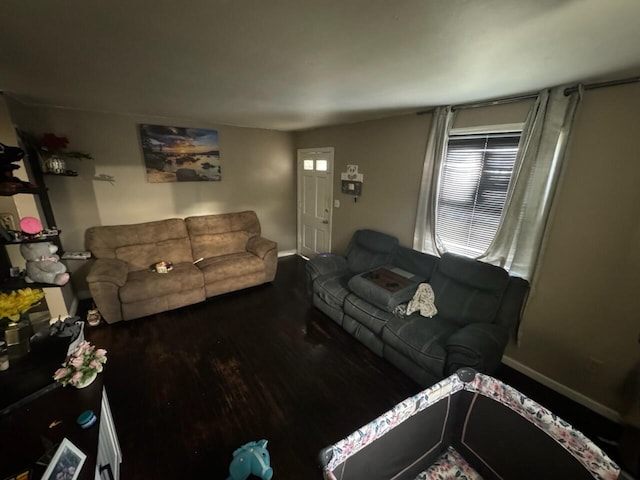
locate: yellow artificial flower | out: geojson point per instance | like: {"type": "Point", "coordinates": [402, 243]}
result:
{"type": "Point", "coordinates": [14, 304]}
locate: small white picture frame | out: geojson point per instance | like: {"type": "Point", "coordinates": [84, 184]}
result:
{"type": "Point", "coordinates": [66, 463]}
{"type": "Point", "coordinates": [8, 221]}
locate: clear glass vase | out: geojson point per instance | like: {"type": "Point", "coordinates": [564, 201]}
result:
{"type": "Point", "coordinates": [55, 164]}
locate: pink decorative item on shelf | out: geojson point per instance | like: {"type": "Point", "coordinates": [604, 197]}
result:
{"type": "Point", "coordinates": [30, 225]}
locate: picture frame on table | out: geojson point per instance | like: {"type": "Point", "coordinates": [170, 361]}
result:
{"type": "Point", "coordinates": [66, 463]}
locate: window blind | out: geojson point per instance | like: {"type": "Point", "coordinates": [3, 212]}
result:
{"type": "Point", "coordinates": [472, 190]}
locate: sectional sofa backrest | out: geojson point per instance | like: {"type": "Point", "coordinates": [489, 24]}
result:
{"type": "Point", "coordinates": [224, 234]}
{"type": "Point", "coordinates": [466, 290]}
{"type": "Point", "coordinates": [142, 244]}
{"type": "Point", "coordinates": [369, 249]}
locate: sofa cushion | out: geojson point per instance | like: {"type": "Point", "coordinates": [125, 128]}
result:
{"type": "Point", "coordinates": [421, 264]}
{"type": "Point", "coordinates": [142, 255]}
{"type": "Point", "coordinates": [468, 291]}
{"type": "Point", "coordinates": [224, 222]}
{"type": "Point", "coordinates": [368, 315]}
{"type": "Point", "coordinates": [216, 244]}
{"type": "Point", "coordinates": [104, 240]}
{"type": "Point", "coordinates": [146, 284]}
{"type": "Point", "coordinates": [369, 249]}
{"type": "Point", "coordinates": [233, 265]}
{"type": "Point", "coordinates": [420, 339]}
{"type": "Point", "coordinates": [175, 250]}
{"type": "Point", "coordinates": [378, 295]}
{"type": "Point", "coordinates": [332, 288]}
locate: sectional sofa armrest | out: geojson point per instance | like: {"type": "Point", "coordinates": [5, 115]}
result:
{"type": "Point", "coordinates": [512, 305]}
{"type": "Point", "coordinates": [477, 345]}
{"type": "Point", "coordinates": [105, 278]}
{"type": "Point", "coordinates": [109, 270]}
{"type": "Point", "coordinates": [260, 246]}
{"type": "Point", "coordinates": [322, 265]}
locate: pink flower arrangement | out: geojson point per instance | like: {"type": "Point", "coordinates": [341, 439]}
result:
{"type": "Point", "coordinates": [85, 361]}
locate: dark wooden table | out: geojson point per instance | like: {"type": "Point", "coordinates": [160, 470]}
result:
{"type": "Point", "coordinates": [31, 372]}
{"type": "Point", "coordinates": [28, 431]}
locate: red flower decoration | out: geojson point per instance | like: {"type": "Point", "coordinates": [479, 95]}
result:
{"type": "Point", "coordinates": [53, 143]}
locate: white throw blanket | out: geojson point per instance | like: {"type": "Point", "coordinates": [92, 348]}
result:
{"type": "Point", "coordinates": [423, 301]}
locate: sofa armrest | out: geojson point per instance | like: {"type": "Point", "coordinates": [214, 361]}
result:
{"type": "Point", "coordinates": [108, 270]}
{"type": "Point", "coordinates": [477, 345]}
{"type": "Point", "coordinates": [512, 305]}
{"type": "Point", "coordinates": [260, 246]}
{"type": "Point", "coordinates": [322, 265]}
{"type": "Point", "coordinates": [105, 278]}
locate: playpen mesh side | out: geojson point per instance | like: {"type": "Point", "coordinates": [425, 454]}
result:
{"type": "Point", "coordinates": [399, 443]}
{"type": "Point", "coordinates": [500, 431]}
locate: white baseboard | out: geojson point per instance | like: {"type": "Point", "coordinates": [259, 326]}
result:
{"type": "Point", "coordinates": [287, 253]}
{"type": "Point", "coordinates": [578, 397]}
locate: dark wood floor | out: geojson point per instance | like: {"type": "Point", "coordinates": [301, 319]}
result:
{"type": "Point", "coordinates": [188, 387]}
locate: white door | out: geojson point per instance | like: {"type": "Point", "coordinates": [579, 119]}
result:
{"type": "Point", "coordinates": [315, 200]}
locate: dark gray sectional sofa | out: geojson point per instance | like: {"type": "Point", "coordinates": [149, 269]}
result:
{"type": "Point", "coordinates": [479, 306]}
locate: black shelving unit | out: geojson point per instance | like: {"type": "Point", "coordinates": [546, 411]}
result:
{"type": "Point", "coordinates": [36, 176]}
{"type": "Point", "coordinates": [68, 173]}
{"type": "Point", "coordinates": [49, 238]}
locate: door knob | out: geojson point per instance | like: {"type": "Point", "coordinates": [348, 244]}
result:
{"type": "Point", "coordinates": [325, 221]}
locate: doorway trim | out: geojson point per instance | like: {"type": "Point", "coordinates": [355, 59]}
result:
{"type": "Point", "coordinates": [302, 154]}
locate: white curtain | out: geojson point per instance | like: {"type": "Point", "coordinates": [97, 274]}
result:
{"type": "Point", "coordinates": [543, 145]}
{"type": "Point", "coordinates": [424, 238]}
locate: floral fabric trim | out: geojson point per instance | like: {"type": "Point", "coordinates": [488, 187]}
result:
{"type": "Point", "coordinates": [375, 429]}
{"type": "Point", "coordinates": [579, 446]}
{"type": "Point", "coordinates": [450, 466]}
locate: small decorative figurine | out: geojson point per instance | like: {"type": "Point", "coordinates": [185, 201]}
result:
{"type": "Point", "coordinates": [251, 459]}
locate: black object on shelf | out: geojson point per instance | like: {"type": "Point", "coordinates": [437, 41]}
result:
{"type": "Point", "coordinates": [68, 173]}
{"type": "Point", "coordinates": [8, 189]}
{"type": "Point", "coordinates": [29, 238]}
{"type": "Point", "coordinates": [14, 283]}
{"type": "Point", "coordinates": [32, 374]}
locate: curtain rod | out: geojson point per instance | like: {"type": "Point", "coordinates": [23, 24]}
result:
{"type": "Point", "coordinates": [528, 96]}
{"type": "Point", "coordinates": [610, 83]}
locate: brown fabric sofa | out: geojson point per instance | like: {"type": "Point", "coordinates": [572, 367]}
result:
{"type": "Point", "coordinates": [123, 286]}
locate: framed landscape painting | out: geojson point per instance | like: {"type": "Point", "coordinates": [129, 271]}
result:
{"type": "Point", "coordinates": [179, 154]}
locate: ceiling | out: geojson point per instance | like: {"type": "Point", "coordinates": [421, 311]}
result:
{"type": "Point", "coordinates": [297, 64]}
